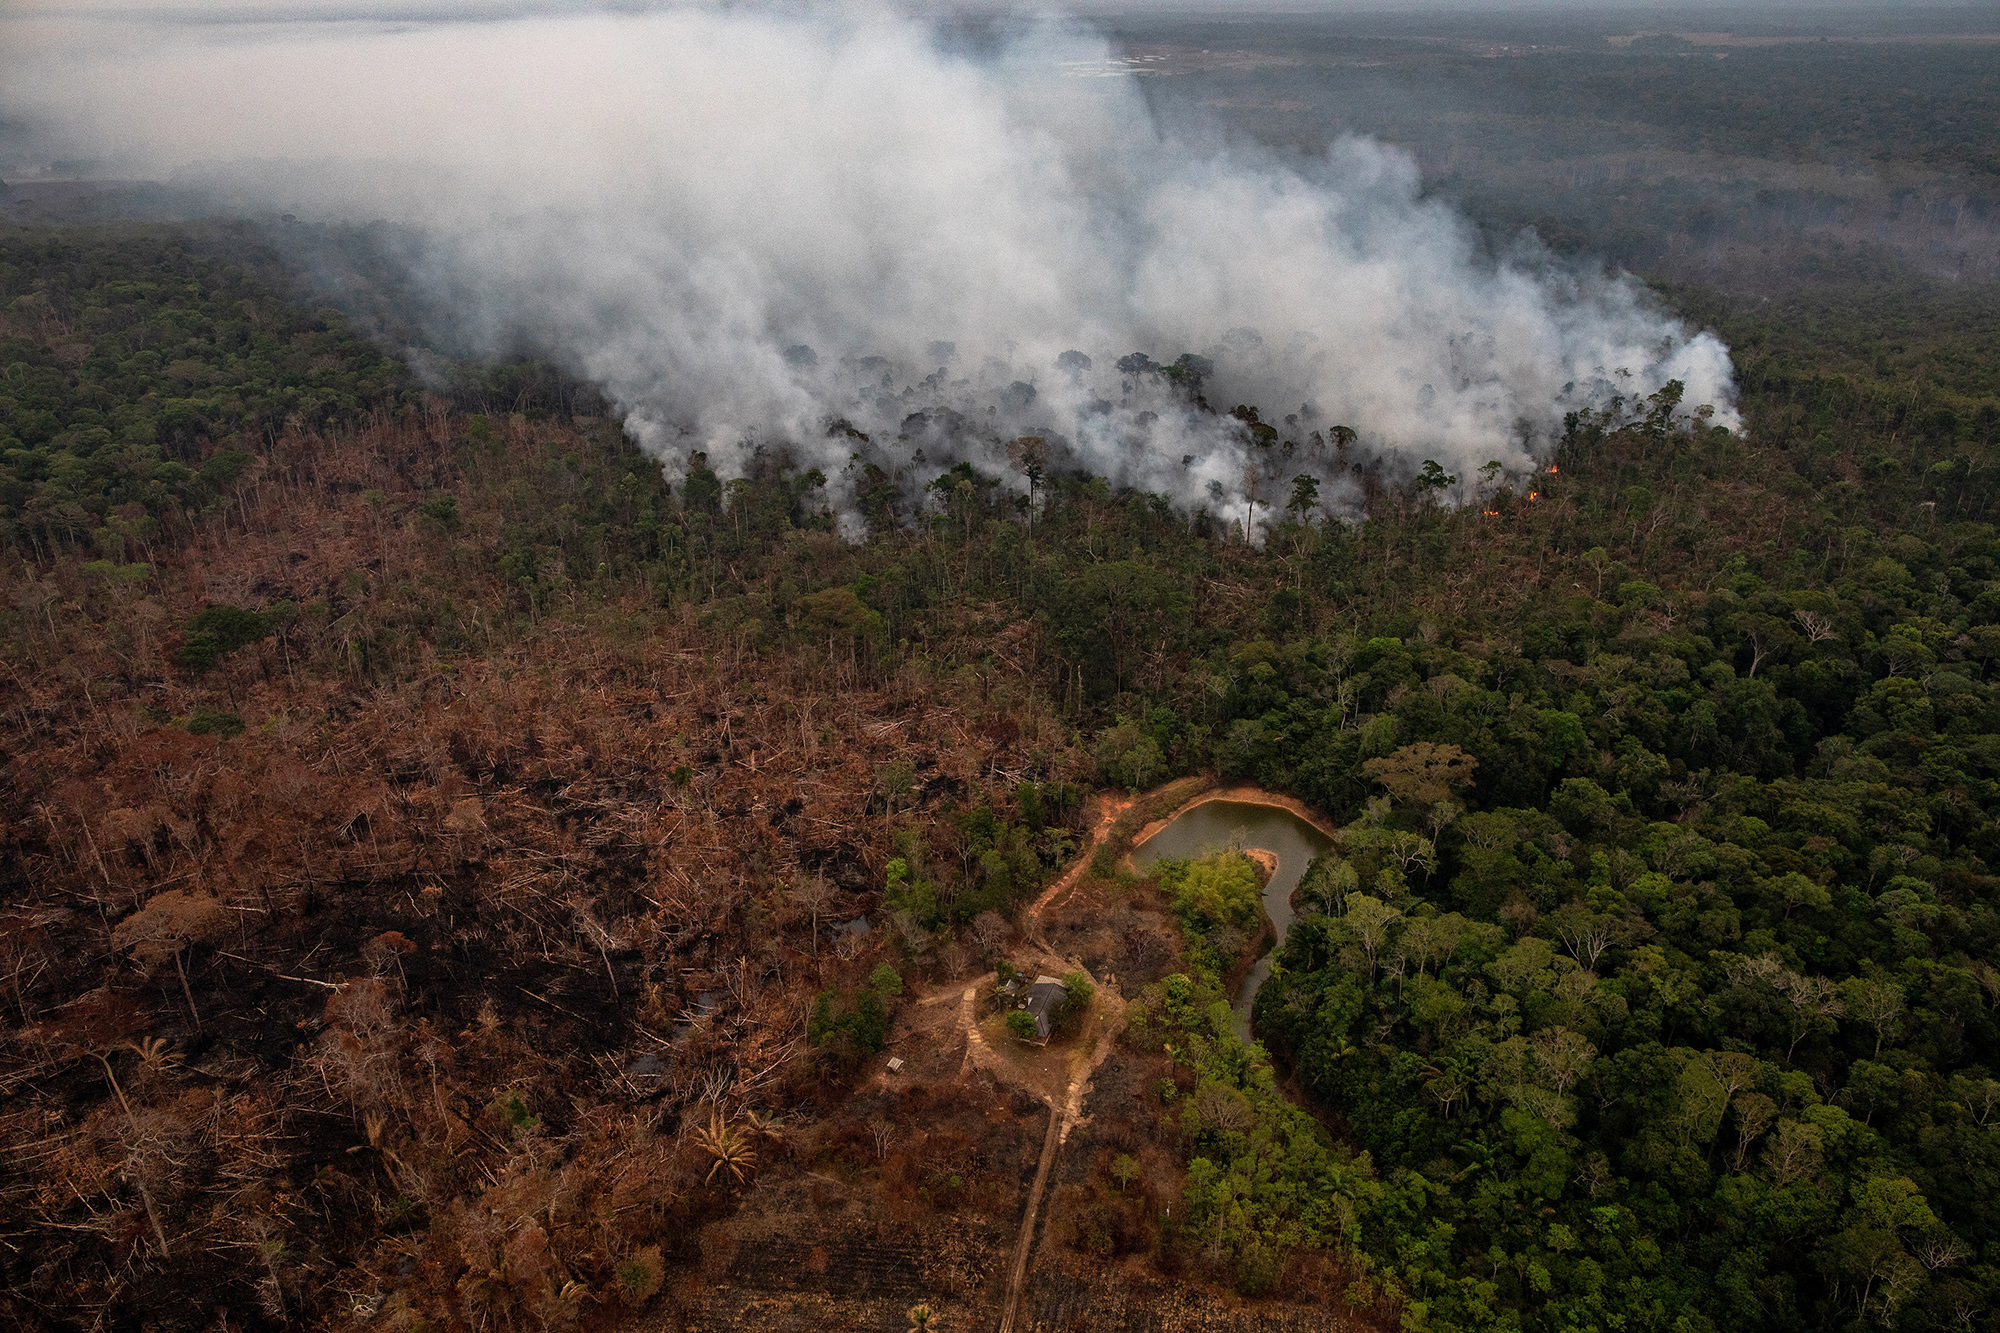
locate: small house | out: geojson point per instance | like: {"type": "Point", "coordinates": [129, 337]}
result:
{"type": "Point", "coordinates": [1042, 1000]}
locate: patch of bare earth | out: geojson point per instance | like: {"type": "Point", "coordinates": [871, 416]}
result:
{"type": "Point", "coordinates": [813, 1273]}
{"type": "Point", "coordinates": [1071, 1290]}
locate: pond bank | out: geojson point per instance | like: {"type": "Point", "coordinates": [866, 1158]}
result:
{"type": "Point", "coordinates": [1241, 796]}
{"type": "Point", "coordinates": [1281, 834]}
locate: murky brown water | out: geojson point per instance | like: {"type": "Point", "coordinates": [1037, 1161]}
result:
{"type": "Point", "coordinates": [1219, 825]}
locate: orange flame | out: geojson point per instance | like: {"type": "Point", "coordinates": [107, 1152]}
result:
{"type": "Point", "coordinates": [1534, 495]}
{"type": "Point", "coordinates": [1554, 468]}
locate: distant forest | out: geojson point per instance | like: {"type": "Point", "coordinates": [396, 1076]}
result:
{"type": "Point", "coordinates": [1752, 167]}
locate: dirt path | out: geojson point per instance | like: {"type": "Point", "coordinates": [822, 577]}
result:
{"type": "Point", "coordinates": [1024, 1247]}
{"type": "Point", "coordinates": [1108, 810]}
{"type": "Point", "coordinates": [1110, 1004]}
{"type": "Point", "coordinates": [1063, 1116]}
{"type": "Point", "coordinates": [979, 1055]}
{"type": "Point", "coordinates": [1109, 1019]}
{"type": "Point", "coordinates": [1111, 1022]}
{"type": "Point", "coordinates": [1091, 1050]}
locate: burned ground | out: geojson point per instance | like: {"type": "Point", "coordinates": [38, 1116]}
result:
{"type": "Point", "coordinates": [475, 986]}
{"type": "Point", "coordinates": [463, 923]}
{"type": "Point", "coordinates": [1117, 928]}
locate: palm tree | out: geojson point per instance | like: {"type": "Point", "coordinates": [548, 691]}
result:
{"type": "Point", "coordinates": [771, 1126]}
{"type": "Point", "coordinates": [921, 1318]}
{"type": "Point", "coordinates": [154, 1052]}
{"type": "Point", "coordinates": [729, 1148]}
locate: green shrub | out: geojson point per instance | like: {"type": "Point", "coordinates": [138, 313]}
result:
{"type": "Point", "coordinates": [864, 1017]}
{"type": "Point", "coordinates": [640, 1276]}
{"type": "Point", "coordinates": [1219, 890]}
{"type": "Point", "coordinates": [440, 514]}
{"type": "Point", "coordinates": [218, 631]}
{"type": "Point", "coordinates": [211, 722]}
{"type": "Point", "coordinates": [1022, 1024]}
{"type": "Point", "coordinates": [1257, 1269]}
{"type": "Point", "coordinates": [515, 1111]}
{"type": "Point", "coordinates": [135, 573]}
{"type": "Point", "coordinates": [1068, 1016]}
{"type": "Point", "coordinates": [904, 891]}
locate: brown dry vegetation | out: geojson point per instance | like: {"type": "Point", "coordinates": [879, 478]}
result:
{"type": "Point", "coordinates": [444, 957]}
{"type": "Point", "coordinates": [408, 996]}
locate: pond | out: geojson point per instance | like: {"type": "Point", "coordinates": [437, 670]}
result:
{"type": "Point", "coordinates": [1219, 825]}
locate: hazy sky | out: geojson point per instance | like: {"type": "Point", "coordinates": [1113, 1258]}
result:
{"type": "Point", "coordinates": [238, 10]}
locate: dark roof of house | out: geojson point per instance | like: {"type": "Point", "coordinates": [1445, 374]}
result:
{"type": "Point", "coordinates": [1041, 1001]}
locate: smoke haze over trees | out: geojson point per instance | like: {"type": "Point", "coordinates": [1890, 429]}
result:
{"type": "Point", "coordinates": [752, 227]}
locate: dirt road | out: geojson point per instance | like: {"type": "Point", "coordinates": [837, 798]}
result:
{"type": "Point", "coordinates": [1108, 1020]}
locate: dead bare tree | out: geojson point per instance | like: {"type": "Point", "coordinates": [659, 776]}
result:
{"type": "Point", "coordinates": [814, 896]}
{"type": "Point", "coordinates": [1819, 628]}
{"type": "Point", "coordinates": [134, 1168]}
{"type": "Point", "coordinates": [164, 929]}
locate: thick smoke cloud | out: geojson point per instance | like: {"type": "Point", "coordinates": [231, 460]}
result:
{"type": "Point", "coordinates": [751, 227]}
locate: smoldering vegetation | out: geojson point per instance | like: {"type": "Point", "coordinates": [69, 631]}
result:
{"type": "Point", "coordinates": [871, 244]}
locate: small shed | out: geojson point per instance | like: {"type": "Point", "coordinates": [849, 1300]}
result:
{"type": "Point", "coordinates": [1041, 1001]}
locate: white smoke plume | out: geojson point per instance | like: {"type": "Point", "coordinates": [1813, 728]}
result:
{"type": "Point", "coordinates": [751, 226]}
